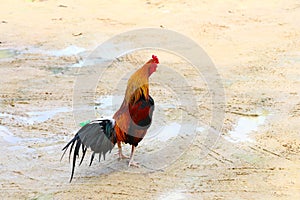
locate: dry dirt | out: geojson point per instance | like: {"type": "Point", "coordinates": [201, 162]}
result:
{"type": "Point", "coordinates": [255, 48]}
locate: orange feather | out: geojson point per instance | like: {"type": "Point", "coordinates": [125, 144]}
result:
{"type": "Point", "coordinates": [137, 87]}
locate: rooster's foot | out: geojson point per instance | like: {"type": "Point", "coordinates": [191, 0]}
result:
{"type": "Point", "coordinates": [122, 156]}
{"type": "Point", "coordinates": [134, 164]}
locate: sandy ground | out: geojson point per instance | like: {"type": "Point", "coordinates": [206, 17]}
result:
{"type": "Point", "coordinates": [255, 47]}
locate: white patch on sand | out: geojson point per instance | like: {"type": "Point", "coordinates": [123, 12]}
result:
{"type": "Point", "coordinates": [244, 127]}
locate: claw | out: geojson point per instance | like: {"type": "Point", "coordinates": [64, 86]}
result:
{"type": "Point", "coordinates": [133, 164]}
{"type": "Point", "coordinates": [122, 156]}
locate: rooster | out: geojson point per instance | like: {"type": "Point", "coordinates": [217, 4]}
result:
{"type": "Point", "coordinates": [128, 125]}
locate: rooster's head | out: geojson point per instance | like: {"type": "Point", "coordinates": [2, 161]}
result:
{"type": "Point", "coordinates": [153, 64]}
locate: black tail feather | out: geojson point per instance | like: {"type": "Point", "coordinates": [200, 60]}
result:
{"type": "Point", "coordinates": [92, 158]}
{"type": "Point", "coordinates": [83, 153]}
{"type": "Point", "coordinates": [74, 140]}
{"type": "Point", "coordinates": [76, 153]}
{"type": "Point", "coordinates": [67, 146]}
{"type": "Point", "coordinates": [99, 135]}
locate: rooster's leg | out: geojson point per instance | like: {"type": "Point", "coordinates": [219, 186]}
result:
{"type": "Point", "coordinates": [121, 155]}
{"type": "Point", "coordinates": [131, 162]}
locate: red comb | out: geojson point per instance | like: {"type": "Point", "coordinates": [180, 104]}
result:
{"type": "Point", "coordinates": [155, 59]}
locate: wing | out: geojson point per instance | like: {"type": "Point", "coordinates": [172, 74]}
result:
{"type": "Point", "coordinates": [141, 112]}
{"type": "Point", "coordinates": [141, 118]}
